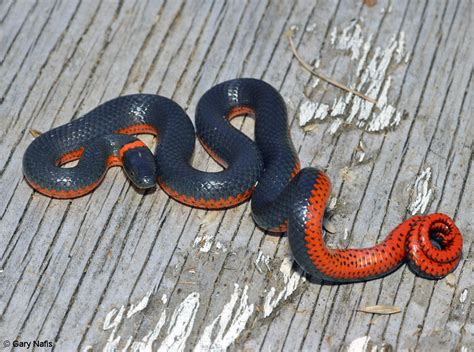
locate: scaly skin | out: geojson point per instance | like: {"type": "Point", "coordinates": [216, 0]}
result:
{"type": "Point", "coordinates": [284, 196]}
{"type": "Point", "coordinates": [408, 242]}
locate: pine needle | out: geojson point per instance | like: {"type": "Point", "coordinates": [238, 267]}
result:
{"type": "Point", "coordinates": [324, 78]}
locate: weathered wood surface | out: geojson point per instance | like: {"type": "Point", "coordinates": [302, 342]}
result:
{"type": "Point", "coordinates": [73, 272]}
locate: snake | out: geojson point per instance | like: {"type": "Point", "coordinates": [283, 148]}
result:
{"type": "Point", "coordinates": [284, 196]}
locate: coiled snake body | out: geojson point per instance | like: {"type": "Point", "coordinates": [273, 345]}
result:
{"type": "Point", "coordinates": [284, 197]}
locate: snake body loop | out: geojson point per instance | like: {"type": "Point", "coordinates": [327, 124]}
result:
{"type": "Point", "coordinates": [284, 196]}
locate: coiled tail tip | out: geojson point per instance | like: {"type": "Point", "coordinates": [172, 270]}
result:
{"type": "Point", "coordinates": [434, 246]}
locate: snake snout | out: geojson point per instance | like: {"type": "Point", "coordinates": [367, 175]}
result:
{"type": "Point", "coordinates": [139, 165]}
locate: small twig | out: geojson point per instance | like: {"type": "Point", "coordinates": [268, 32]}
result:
{"type": "Point", "coordinates": [324, 78]}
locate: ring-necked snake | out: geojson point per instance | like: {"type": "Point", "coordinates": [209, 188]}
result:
{"type": "Point", "coordinates": [284, 197]}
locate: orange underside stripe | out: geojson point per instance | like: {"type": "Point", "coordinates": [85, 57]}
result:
{"type": "Point", "coordinates": [132, 145]}
{"type": "Point", "coordinates": [64, 194]}
{"type": "Point", "coordinates": [235, 112]}
{"type": "Point", "coordinates": [280, 228]}
{"type": "Point", "coordinates": [71, 156]}
{"type": "Point", "coordinates": [206, 204]}
{"type": "Point", "coordinates": [115, 161]}
{"type": "Point", "coordinates": [112, 160]}
{"type": "Point", "coordinates": [239, 111]}
{"type": "Point", "coordinates": [213, 155]}
{"type": "Point", "coordinates": [137, 129]}
{"type": "Point", "coordinates": [296, 169]}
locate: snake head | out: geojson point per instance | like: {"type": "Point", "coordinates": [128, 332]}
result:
{"type": "Point", "coordinates": [139, 165]}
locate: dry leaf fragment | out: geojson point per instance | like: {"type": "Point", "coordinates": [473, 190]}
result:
{"type": "Point", "coordinates": [450, 280]}
{"type": "Point", "coordinates": [380, 309]}
{"type": "Point", "coordinates": [35, 133]}
{"type": "Point", "coordinates": [370, 3]}
{"type": "Point", "coordinates": [329, 226]}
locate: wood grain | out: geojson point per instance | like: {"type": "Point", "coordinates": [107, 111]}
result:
{"type": "Point", "coordinates": [197, 279]}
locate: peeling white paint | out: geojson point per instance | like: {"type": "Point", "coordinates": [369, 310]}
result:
{"type": "Point", "coordinates": [205, 239]}
{"type": "Point", "coordinates": [204, 242]}
{"type": "Point", "coordinates": [400, 50]}
{"type": "Point", "coordinates": [332, 203]}
{"type": "Point", "coordinates": [311, 111]}
{"type": "Point", "coordinates": [181, 324]}
{"type": "Point", "coordinates": [407, 58]}
{"type": "Point", "coordinates": [128, 344]}
{"type": "Point", "coordinates": [365, 53]}
{"type": "Point", "coordinates": [291, 103]}
{"type": "Point", "coordinates": [463, 296]}
{"type": "Point", "coordinates": [396, 119]}
{"type": "Point", "coordinates": [262, 259]}
{"type": "Point", "coordinates": [321, 112]}
{"type": "Point", "coordinates": [333, 36]}
{"type": "Point", "coordinates": [350, 39]}
{"type": "Point", "coordinates": [311, 27]}
{"type": "Point", "coordinates": [112, 341]}
{"type": "Point", "coordinates": [346, 173]}
{"type": "Point", "coordinates": [228, 325]}
{"type": "Point", "coordinates": [146, 344]}
{"type": "Point", "coordinates": [346, 233]}
{"type": "Point", "coordinates": [422, 193]}
{"type": "Point", "coordinates": [269, 303]}
{"type": "Point", "coordinates": [220, 246]}
{"type": "Point", "coordinates": [118, 314]}
{"type": "Point", "coordinates": [371, 78]}
{"type": "Point", "coordinates": [142, 304]}
{"type": "Point", "coordinates": [360, 151]}
{"type": "Point", "coordinates": [164, 299]}
{"type": "Point", "coordinates": [291, 279]}
{"type": "Point", "coordinates": [294, 28]}
{"type": "Point", "coordinates": [315, 82]}
{"type": "Point", "coordinates": [335, 126]}
{"type": "Point", "coordinates": [361, 344]}
{"type": "Point", "coordinates": [307, 111]}
{"type": "Point", "coordinates": [338, 107]}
